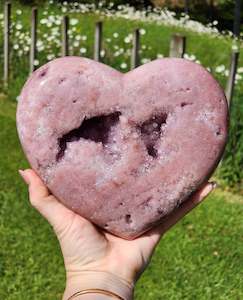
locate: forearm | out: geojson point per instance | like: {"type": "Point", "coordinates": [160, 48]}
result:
{"type": "Point", "coordinates": [97, 280]}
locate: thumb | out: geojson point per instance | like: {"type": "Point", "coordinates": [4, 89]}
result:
{"type": "Point", "coordinates": [47, 205]}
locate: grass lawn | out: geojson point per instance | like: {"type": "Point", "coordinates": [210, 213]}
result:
{"type": "Point", "coordinates": [201, 258]}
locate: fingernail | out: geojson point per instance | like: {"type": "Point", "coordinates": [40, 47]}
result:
{"type": "Point", "coordinates": [214, 185]}
{"type": "Point", "coordinates": [24, 176]}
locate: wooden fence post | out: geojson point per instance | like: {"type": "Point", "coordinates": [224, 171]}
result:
{"type": "Point", "coordinates": [186, 7]}
{"type": "Point", "coordinates": [33, 39]}
{"type": "Point", "coordinates": [177, 46]}
{"type": "Point", "coordinates": [7, 16]}
{"type": "Point", "coordinates": [98, 41]}
{"type": "Point", "coordinates": [229, 90]}
{"type": "Point", "coordinates": [237, 18]}
{"type": "Point", "coordinates": [65, 27]}
{"type": "Point", "coordinates": [135, 61]}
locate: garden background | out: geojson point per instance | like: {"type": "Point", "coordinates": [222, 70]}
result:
{"type": "Point", "coordinates": [202, 257]}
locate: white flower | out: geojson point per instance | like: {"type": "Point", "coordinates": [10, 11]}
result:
{"type": "Point", "coordinates": [19, 26]}
{"type": "Point", "coordinates": [64, 9]}
{"type": "Point", "coordinates": [51, 18]}
{"type": "Point", "coordinates": [36, 62]}
{"type": "Point", "coordinates": [26, 48]}
{"type": "Point", "coordinates": [78, 37]}
{"type": "Point", "coordinates": [58, 22]}
{"type": "Point", "coordinates": [50, 38]}
{"type": "Point", "coordinates": [20, 52]}
{"type": "Point", "coordinates": [83, 50]}
{"type": "Point", "coordinates": [108, 40]}
{"type": "Point", "coordinates": [127, 40]}
{"type": "Point", "coordinates": [76, 44]}
{"type": "Point", "coordinates": [142, 31]}
{"type": "Point", "coordinates": [144, 47]}
{"type": "Point", "coordinates": [240, 70]}
{"type": "Point", "coordinates": [16, 47]}
{"type": "Point", "coordinates": [19, 12]}
{"type": "Point", "coordinates": [215, 22]}
{"type": "Point", "coordinates": [191, 57]}
{"type": "Point", "coordinates": [145, 60]}
{"type": "Point", "coordinates": [160, 55]}
{"type": "Point", "coordinates": [84, 38]}
{"type": "Point", "coordinates": [238, 77]}
{"type": "Point", "coordinates": [226, 73]}
{"type": "Point", "coordinates": [102, 53]}
{"type": "Point", "coordinates": [73, 22]}
{"type": "Point", "coordinates": [220, 69]}
{"type": "Point", "coordinates": [50, 56]}
{"type": "Point", "coordinates": [123, 65]}
{"type": "Point", "coordinates": [115, 35]}
{"type": "Point", "coordinates": [41, 48]}
{"type": "Point", "coordinates": [39, 43]}
{"type": "Point", "coordinates": [235, 47]}
{"type": "Point", "coordinates": [43, 21]}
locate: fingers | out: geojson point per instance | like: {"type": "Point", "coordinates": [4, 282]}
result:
{"type": "Point", "coordinates": [37, 189]}
{"type": "Point", "coordinates": [184, 209]}
{"type": "Point", "coordinates": [40, 198]}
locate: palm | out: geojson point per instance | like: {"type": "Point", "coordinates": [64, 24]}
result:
{"type": "Point", "coordinates": [85, 245]}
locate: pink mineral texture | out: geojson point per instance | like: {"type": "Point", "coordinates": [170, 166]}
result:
{"type": "Point", "coordinates": [122, 150]}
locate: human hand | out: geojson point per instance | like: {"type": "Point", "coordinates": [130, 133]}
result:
{"type": "Point", "coordinates": [94, 258]}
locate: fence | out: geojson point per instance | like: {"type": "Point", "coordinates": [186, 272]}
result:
{"type": "Point", "coordinates": [177, 47]}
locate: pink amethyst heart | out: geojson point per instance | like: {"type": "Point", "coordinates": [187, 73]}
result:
{"type": "Point", "coordinates": [122, 150]}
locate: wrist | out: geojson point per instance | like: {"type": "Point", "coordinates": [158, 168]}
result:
{"type": "Point", "coordinates": [98, 280]}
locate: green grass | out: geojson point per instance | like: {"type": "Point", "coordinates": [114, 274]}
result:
{"type": "Point", "coordinates": [201, 258]}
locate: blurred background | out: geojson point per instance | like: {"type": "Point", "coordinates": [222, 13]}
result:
{"type": "Point", "coordinates": [202, 257]}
